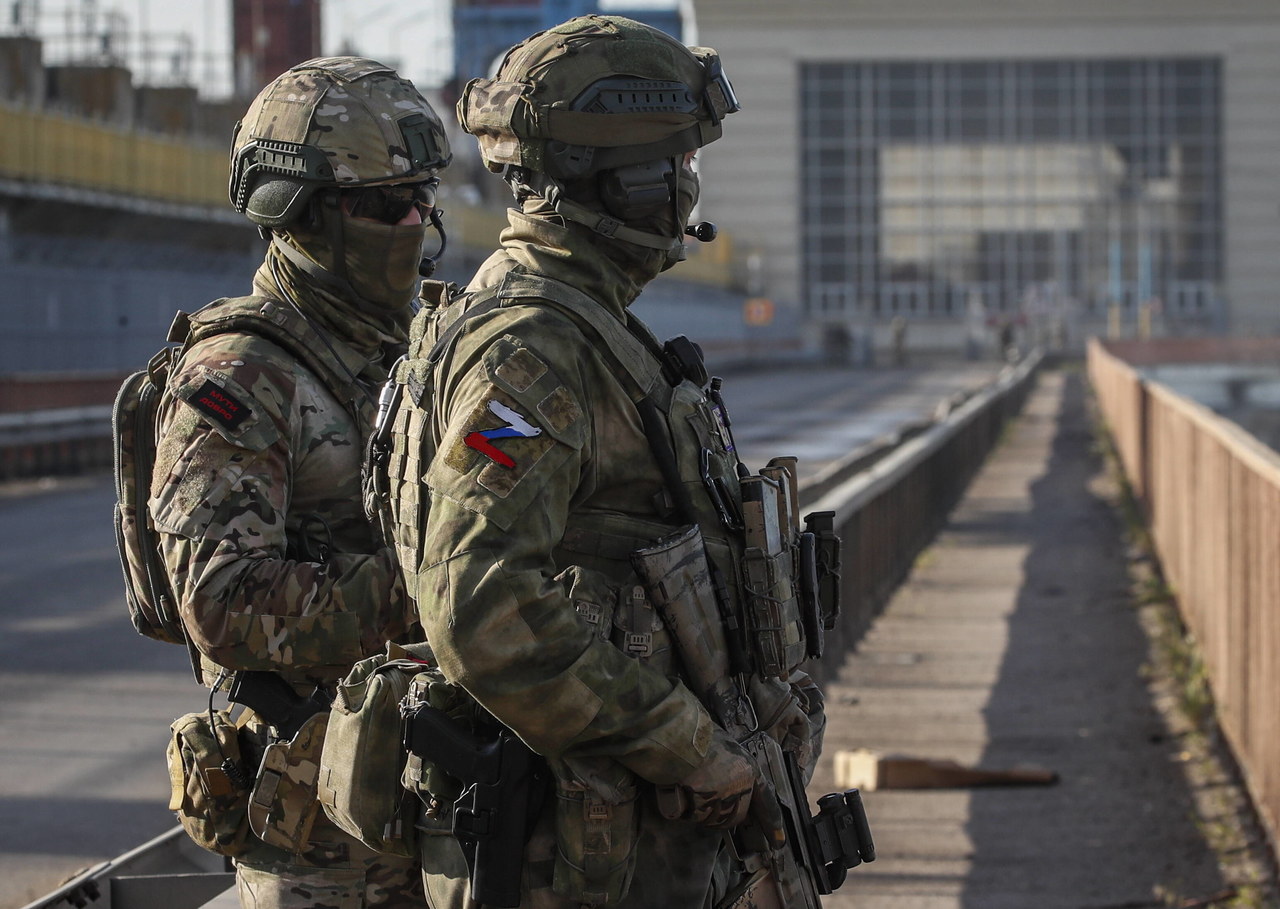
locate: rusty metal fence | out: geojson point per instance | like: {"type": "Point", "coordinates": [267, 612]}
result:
{"type": "Point", "coordinates": [1210, 494]}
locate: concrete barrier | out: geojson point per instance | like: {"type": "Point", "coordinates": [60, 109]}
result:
{"type": "Point", "coordinates": [888, 510]}
{"type": "Point", "coordinates": [65, 440]}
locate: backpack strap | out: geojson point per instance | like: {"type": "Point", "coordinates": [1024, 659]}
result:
{"type": "Point", "coordinates": [153, 608]}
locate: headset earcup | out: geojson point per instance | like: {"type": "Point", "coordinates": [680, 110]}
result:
{"type": "Point", "coordinates": [637, 191]}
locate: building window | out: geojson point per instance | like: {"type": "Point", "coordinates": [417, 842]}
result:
{"type": "Point", "coordinates": [1011, 187]}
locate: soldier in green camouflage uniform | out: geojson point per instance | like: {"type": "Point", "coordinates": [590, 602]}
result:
{"type": "Point", "coordinates": [256, 489]}
{"type": "Point", "coordinates": [539, 480]}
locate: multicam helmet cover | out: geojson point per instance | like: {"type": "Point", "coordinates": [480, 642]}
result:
{"type": "Point", "coordinates": [595, 93]}
{"type": "Point", "coordinates": [331, 122]}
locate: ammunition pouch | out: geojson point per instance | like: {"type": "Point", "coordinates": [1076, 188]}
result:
{"type": "Point", "coordinates": [770, 569]}
{"type": "Point", "coordinates": [209, 782]}
{"type": "Point", "coordinates": [597, 826]}
{"type": "Point", "coordinates": [363, 758]}
{"type": "Point", "coordinates": [283, 805]}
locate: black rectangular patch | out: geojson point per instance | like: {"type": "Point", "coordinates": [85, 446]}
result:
{"type": "Point", "coordinates": [219, 406]}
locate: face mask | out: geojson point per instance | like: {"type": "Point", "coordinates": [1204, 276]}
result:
{"type": "Point", "coordinates": [686, 196]}
{"type": "Point", "coordinates": [382, 259]}
{"type": "Point", "coordinates": [686, 199]}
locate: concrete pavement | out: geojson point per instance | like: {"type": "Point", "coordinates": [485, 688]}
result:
{"type": "Point", "coordinates": [1014, 641]}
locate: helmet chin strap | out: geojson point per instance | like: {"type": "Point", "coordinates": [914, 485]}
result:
{"type": "Point", "coordinates": [599, 222]}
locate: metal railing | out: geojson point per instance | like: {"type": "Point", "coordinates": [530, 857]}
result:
{"type": "Point", "coordinates": [72, 151]}
{"type": "Point", "coordinates": [1210, 495]}
{"type": "Point", "coordinates": [891, 505]}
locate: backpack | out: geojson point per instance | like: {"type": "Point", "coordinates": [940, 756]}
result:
{"type": "Point", "coordinates": [153, 608]}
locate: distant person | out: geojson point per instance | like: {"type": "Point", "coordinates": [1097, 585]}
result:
{"type": "Point", "coordinates": [1004, 341]}
{"type": "Point", "coordinates": [256, 489]}
{"type": "Point", "coordinates": [898, 337]}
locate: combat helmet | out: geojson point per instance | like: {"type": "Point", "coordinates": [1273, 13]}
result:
{"type": "Point", "coordinates": [601, 96]}
{"type": "Point", "coordinates": [332, 123]}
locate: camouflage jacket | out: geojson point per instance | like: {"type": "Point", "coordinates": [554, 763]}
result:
{"type": "Point", "coordinates": [521, 481]}
{"type": "Point", "coordinates": [256, 495]}
{"type": "Point", "coordinates": [538, 484]}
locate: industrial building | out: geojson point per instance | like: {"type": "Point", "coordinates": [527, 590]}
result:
{"type": "Point", "coordinates": [1065, 166]}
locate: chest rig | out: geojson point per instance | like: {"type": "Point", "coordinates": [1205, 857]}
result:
{"type": "Point", "coordinates": [775, 581]}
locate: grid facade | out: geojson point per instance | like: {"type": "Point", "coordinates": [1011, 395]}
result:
{"type": "Point", "coordinates": [941, 189]}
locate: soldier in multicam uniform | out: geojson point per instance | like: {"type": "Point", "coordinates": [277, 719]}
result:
{"type": "Point", "coordinates": [256, 489]}
{"type": "Point", "coordinates": [523, 421]}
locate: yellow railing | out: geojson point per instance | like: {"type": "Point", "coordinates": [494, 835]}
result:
{"type": "Point", "coordinates": [1210, 493]}
{"type": "Point", "coordinates": [72, 151]}
{"type": "Point", "coordinates": [62, 150]}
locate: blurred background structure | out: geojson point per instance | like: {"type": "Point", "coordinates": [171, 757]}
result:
{"type": "Point", "coordinates": [1055, 164]}
{"type": "Point", "coordinates": [924, 174]}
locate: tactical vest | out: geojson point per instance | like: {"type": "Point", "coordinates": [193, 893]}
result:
{"type": "Point", "coordinates": [750, 524]}
{"type": "Point", "coordinates": [152, 604]}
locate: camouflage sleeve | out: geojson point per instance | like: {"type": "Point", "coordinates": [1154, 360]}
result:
{"type": "Point", "coordinates": [227, 456]}
{"type": "Point", "coordinates": [515, 445]}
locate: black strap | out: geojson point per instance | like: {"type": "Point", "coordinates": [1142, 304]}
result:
{"type": "Point", "coordinates": [664, 453]}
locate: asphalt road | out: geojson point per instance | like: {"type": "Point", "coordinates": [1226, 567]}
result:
{"type": "Point", "coordinates": [85, 702]}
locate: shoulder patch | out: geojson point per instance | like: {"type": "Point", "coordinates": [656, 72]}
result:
{"type": "Point", "coordinates": [517, 427]}
{"type": "Point", "coordinates": [495, 444]}
{"type": "Point", "coordinates": [219, 405]}
{"type": "Point", "coordinates": [529, 378]}
{"type": "Point", "coordinates": [241, 403]}
{"type": "Point", "coordinates": [521, 369]}
{"type": "Point", "coordinates": [559, 409]}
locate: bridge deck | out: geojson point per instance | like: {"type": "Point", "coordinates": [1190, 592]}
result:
{"type": "Point", "coordinates": [1014, 641]}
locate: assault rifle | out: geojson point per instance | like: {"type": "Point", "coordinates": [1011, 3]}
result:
{"type": "Point", "coordinates": [503, 778]}
{"type": "Point", "coordinates": [273, 699]}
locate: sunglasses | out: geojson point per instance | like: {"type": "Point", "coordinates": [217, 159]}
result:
{"type": "Point", "coordinates": [389, 204]}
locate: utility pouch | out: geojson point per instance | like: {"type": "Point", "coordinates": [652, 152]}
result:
{"type": "Point", "coordinates": [283, 805]}
{"type": "Point", "coordinates": [596, 831]}
{"type": "Point", "coordinates": [769, 570]}
{"type": "Point", "coordinates": [363, 756]}
{"type": "Point", "coordinates": [677, 576]}
{"type": "Point", "coordinates": [827, 564]}
{"type": "Point", "coordinates": [209, 785]}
